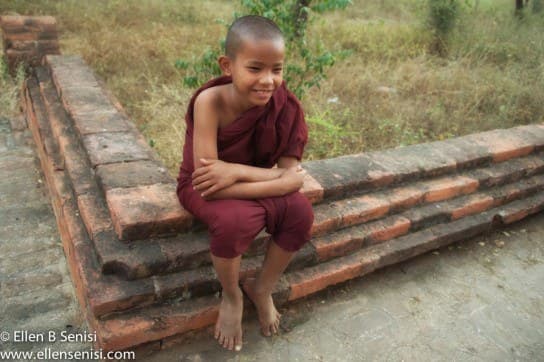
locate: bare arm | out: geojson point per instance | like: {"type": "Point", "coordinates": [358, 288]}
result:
{"type": "Point", "coordinates": [290, 180]}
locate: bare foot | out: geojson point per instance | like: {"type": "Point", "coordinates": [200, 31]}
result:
{"type": "Point", "coordinates": [228, 328]}
{"type": "Point", "coordinates": [269, 318]}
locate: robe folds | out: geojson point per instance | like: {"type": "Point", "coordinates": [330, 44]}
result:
{"type": "Point", "coordinates": [258, 137]}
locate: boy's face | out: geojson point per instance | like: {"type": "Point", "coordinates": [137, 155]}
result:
{"type": "Point", "coordinates": [257, 70]}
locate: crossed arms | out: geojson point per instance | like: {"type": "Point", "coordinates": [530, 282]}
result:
{"type": "Point", "coordinates": [216, 179]}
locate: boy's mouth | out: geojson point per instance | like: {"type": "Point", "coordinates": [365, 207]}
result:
{"type": "Point", "coordinates": [263, 92]}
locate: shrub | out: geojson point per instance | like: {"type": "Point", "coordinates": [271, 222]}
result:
{"type": "Point", "coordinates": [307, 63]}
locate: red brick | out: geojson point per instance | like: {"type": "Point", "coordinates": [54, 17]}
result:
{"type": "Point", "coordinates": [32, 36]}
{"type": "Point", "coordinates": [520, 209]}
{"type": "Point", "coordinates": [132, 174]}
{"type": "Point", "coordinates": [503, 144]}
{"type": "Point", "coordinates": [387, 230]}
{"type": "Point", "coordinates": [103, 120]}
{"type": "Point", "coordinates": [474, 205]}
{"type": "Point", "coordinates": [365, 208]}
{"type": "Point", "coordinates": [114, 147]}
{"type": "Point", "coordinates": [159, 322]}
{"type": "Point", "coordinates": [186, 251]}
{"type": "Point", "coordinates": [337, 244]}
{"type": "Point", "coordinates": [312, 189]}
{"type": "Point", "coordinates": [449, 187]}
{"type": "Point", "coordinates": [326, 219]}
{"type": "Point", "coordinates": [17, 23]}
{"type": "Point", "coordinates": [311, 280]}
{"type": "Point", "coordinates": [145, 211]}
{"type": "Point", "coordinates": [94, 215]}
{"type": "Point", "coordinates": [380, 178]}
{"type": "Point", "coordinates": [404, 197]}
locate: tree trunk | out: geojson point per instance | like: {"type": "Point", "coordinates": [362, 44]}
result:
{"type": "Point", "coordinates": [519, 8]}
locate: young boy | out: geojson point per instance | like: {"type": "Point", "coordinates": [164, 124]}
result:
{"type": "Point", "coordinates": [238, 127]}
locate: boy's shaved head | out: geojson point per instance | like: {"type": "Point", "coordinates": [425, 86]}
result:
{"type": "Point", "coordinates": [250, 27]}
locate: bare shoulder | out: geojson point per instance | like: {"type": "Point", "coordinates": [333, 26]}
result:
{"type": "Point", "coordinates": [208, 99]}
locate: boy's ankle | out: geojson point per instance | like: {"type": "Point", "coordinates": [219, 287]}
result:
{"type": "Point", "coordinates": [233, 295]}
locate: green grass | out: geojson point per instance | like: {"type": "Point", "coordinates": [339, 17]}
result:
{"type": "Point", "coordinates": [389, 92]}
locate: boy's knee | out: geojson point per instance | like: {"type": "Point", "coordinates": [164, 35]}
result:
{"type": "Point", "coordinates": [231, 231]}
{"type": "Point", "coordinates": [299, 211]}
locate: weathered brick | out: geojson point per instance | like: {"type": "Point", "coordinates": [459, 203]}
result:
{"type": "Point", "coordinates": [449, 187]}
{"type": "Point", "coordinates": [313, 279]}
{"type": "Point", "coordinates": [136, 260]}
{"type": "Point", "coordinates": [134, 328]}
{"type": "Point", "coordinates": [75, 160]}
{"type": "Point", "coordinates": [426, 215]}
{"type": "Point", "coordinates": [114, 147]}
{"type": "Point", "coordinates": [145, 211]}
{"type": "Point", "coordinates": [312, 189]}
{"type": "Point", "coordinates": [339, 243]}
{"type": "Point", "coordinates": [131, 174]}
{"type": "Point", "coordinates": [533, 133]}
{"type": "Point", "coordinates": [101, 120]}
{"type": "Point", "coordinates": [389, 229]}
{"type": "Point", "coordinates": [304, 257]}
{"type": "Point", "coordinates": [84, 100]}
{"type": "Point", "coordinates": [40, 45]}
{"type": "Point", "coordinates": [366, 208]}
{"type": "Point", "coordinates": [502, 144]}
{"type": "Point", "coordinates": [341, 175]}
{"type": "Point", "coordinates": [185, 251]}
{"type": "Point", "coordinates": [472, 205]}
{"type": "Point", "coordinates": [535, 165]}
{"type": "Point", "coordinates": [17, 23]}
{"type": "Point", "coordinates": [520, 209]}
{"type": "Point", "coordinates": [517, 190]}
{"type": "Point", "coordinates": [93, 213]}
{"type": "Point", "coordinates": [326, 218]}
{"type": "Point", "coordinates": [112, 295]}
{"type": "Point", "coordinates": [69, 72]}
{"type": "Point", "coordinates": [402, 198]}
{"type": "Point", "coordinates": [39, 122]}
{"type": "Point", "coordinates": [186, 284]}
{"type": "Point", "coordinates": [394, 163]}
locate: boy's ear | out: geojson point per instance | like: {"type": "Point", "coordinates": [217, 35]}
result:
{"type": "Point", "coordinates": [225, 64]}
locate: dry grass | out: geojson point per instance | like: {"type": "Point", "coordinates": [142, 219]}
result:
{"type": "Point", "coordinates": [389, 92]}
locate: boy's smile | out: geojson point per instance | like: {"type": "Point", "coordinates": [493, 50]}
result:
{"type": "Point", "coordinates": [256, 71]}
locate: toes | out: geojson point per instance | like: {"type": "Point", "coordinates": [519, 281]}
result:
{"type": "Point", "coordinates": [230, 344]}
{"type": "Point", "coordinates": [238, 343]}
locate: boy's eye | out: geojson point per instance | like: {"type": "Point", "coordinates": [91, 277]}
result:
{"type": "Point", "coordinates": [278, 70]}
{"type": "Point", "coordinates": [253, 69]}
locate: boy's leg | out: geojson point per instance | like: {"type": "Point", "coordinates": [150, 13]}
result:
{"type": "Point", "coordinates": [260, 289]}
{"type": "Point", "coordinates": [228, 329]}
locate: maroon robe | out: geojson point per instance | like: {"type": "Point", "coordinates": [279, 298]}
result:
{"type": "Point", "coordinates": [258, 137]}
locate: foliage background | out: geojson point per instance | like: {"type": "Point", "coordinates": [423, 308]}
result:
{"type": "Point", "coordinates": [390, 91]}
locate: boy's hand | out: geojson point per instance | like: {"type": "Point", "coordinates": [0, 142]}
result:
{"type": "Point", "coordinates": [213, 176]}
{"type": "Point", "coordinates": [294, 177]}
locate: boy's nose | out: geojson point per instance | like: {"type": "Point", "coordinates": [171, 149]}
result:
{"type": "Point", "coordinates": [267, 78]}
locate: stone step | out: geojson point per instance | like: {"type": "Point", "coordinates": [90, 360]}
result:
{"type": "Point", "coordinates": [202, 281]}
{"type": "Point", "coordinates": [142, 259]}
{"type": "Point", "coordinates": [158, 322]}
{"type": "Point", "coordinates": [140, 205]}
